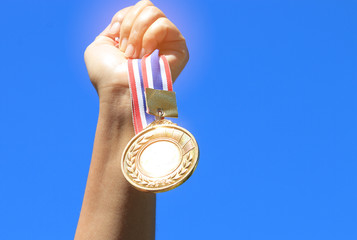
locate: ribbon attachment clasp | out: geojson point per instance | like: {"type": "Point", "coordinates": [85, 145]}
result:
{"type": "Point", "coordinates": [161, 103]}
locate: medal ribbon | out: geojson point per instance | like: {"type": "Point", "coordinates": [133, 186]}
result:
{"type": "Point", "coordinates": [152, 71]}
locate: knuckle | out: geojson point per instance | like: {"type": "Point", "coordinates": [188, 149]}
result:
{"type": "Point", "coordinates": [116, 16]}
{"type": "Point", "coordinates": [150, 10]}
{"type": "Point", "coordinates": [163, 22]}
{"type": "Point", "coordinates": [147, 3]}
{"type": "Point", "coordinates": [148, 38]}
{"type": "Point", "coordinates": [119, 17]}
{"type": "Point", "coordinates": [125, 28]}
{"type": "Point", "coordinates": [144, 3]}
{"type": "Point", "coordinates": [134, 36]}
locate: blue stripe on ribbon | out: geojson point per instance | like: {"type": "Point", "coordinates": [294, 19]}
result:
{"type": "Point", "coordinates": [156, 73]}
{"type": "Point", "coordinates": [149, 118]}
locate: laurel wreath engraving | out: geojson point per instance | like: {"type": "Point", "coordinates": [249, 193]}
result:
{"type": "Point", "coordinates": [141, 179]}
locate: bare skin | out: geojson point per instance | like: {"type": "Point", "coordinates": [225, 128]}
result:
{"type": "Point", "coordinates": [112, 208]}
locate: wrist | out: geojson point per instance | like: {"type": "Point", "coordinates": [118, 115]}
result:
{"type": "Point", "coordinates": [115, 114]}
{"type": "Point", "coordinates": [115, 101]}
{"type": "Point", "coordinates": [115, 124]}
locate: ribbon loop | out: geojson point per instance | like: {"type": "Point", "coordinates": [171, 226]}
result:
{"type": "Point", "coordinates": [152, 71]}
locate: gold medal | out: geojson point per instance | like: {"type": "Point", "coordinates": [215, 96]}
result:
{"type": "Point", "coordinates": [160, 158]}
{"type": "Point", "coordinates": [163, 155]}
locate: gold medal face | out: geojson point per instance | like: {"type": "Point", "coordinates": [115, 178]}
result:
{"type": "Point", "coordinates": [160, 158]}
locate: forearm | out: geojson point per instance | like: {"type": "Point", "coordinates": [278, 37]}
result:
{"type": "Point", "coordinates": [110, 204]}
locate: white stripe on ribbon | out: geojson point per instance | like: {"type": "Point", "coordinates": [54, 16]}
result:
{"type": "Point", "coordinates": [139, 92]}
{"type": "Point", "coordinates": [163, 75]}
{"type": "Point", "coordinates": [149, 72]}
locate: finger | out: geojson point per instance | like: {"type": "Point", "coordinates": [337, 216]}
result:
{"type": "Point", "coordinates": [162, 30]}
{"type": "Point", "coordinates": [177, 55]}
{"type": "Point", "coordinates": [145, 19]}
{"type": "Point", "coordinates": [128, 21]}
{"type": "Point", "coordinates": [112, 30]}
{"type": "Point", "coordinates": [165, 36]}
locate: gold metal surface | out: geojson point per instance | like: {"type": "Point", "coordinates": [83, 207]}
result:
{"type": "Point", "coordinates": [160, 158]}
{"type": "Point", "coordinates": [161, 100]}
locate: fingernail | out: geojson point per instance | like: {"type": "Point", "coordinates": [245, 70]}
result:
{"type": "Point", "coordinates": [117, 39]}
{"type": "Point", "coordinates": [115, 28]}
{"type": "Point", "coordinates": [123, 43]}
{"type": "Point", "coordinates": [142, 52]}
{"type": "Point", "coordinates": [129, 51]}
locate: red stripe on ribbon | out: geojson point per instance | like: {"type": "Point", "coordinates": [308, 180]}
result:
{"type": "Point", "coordinates": [136, 114]}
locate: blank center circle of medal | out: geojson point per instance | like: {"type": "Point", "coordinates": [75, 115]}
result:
{"type": "Point", "coordinates": [160, 158]}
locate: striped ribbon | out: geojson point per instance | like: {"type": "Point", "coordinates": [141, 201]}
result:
{"type": "Point", "coordinates": [152, 71]}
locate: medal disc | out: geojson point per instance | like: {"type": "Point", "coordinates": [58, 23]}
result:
{"type": "Point", "coordinates": [160, 158]}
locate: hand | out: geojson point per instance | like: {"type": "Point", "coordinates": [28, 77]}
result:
{"type": "Point", "coordinates": [141, 29]}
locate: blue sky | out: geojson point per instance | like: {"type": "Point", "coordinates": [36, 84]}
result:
{"type": "Point", "coordinates": [270, 93]}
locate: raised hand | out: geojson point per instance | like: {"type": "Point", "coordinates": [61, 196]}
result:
{"type": "Point", "coordinates": [133, 32]}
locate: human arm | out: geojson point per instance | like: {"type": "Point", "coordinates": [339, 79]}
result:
{"type": "Point", "coordinates": [111, 208]}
